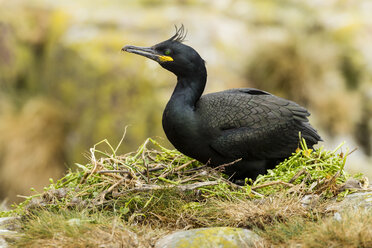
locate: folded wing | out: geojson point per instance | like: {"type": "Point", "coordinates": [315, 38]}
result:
{"type": "Point", "coordinates": [253, 124]}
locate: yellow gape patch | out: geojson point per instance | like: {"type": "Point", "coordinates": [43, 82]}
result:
{"type": "Point", "coordinates": [165, 58]}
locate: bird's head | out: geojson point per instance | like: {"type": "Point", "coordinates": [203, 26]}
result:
{"type": "Point", "coordinates": [172, 55]}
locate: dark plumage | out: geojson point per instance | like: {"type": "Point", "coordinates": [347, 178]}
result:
{"type": "Point", "coordinates": [254, 125]}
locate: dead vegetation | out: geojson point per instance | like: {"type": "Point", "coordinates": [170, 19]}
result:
{"type": "Point", "coordinates": [352, 229]}
{"type": "Point", "coordinates": [154, 191]}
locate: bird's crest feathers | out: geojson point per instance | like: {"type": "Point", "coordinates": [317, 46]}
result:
{"type": "Point", "coordinates": [180, 34]}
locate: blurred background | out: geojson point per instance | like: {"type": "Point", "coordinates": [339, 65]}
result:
{"type": "Point", "coordinates": [65, 85]}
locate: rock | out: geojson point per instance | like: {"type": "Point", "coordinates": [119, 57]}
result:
{"type": "Point", "coordinates": [3, 243]}
{"type": "Point", "coordinates": [7, 227]}
{"type": "Point", "coordinates": [355, 200]}
{"type": "Point", "coordinates": [361, 199]}
{"type": "Point", "coordinates": [210, 237]}
{"type": "Point", "coordinates": [6, 235]}
{"type": "Point", "coordinates": [9, 223]}
{"type": "Point", "coordinates": [309, 201]}
{"type": "Point", "coordinates": [337, 216]}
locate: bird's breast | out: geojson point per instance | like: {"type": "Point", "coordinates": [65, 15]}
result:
{"type": "Point", "coordinates": [183, 130]}
{"type": "Point", "coordinates": [179, 126]}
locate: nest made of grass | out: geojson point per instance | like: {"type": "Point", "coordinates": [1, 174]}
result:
{"type": "Point", "coordinates": [162, 184]}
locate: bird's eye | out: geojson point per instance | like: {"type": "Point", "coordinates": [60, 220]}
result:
{"type": "Point", "coordinates": [167, 52]}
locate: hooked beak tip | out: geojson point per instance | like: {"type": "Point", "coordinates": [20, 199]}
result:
{"type": "Point", "coordinates": [124, 48]}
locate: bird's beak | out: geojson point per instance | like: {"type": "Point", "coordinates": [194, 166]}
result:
{"type": "Point", "coordinates": [148, 52]}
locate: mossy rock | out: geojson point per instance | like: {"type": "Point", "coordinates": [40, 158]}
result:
{"type": "Point", "coordinates": [210, 237]}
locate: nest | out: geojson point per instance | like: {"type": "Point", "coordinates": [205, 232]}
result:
{"type": "Point", "coordinates": [154, 179]}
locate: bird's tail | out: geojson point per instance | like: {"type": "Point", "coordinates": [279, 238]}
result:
{"type": "Point", "coordinates": [310, 134]}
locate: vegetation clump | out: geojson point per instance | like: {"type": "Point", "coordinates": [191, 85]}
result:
{"type": "Point", "coordinates": [136, 181]}
{"type": "Point", "coordinates": [161, 190]}
{"type": "Point", "coordinates": [307, 171]}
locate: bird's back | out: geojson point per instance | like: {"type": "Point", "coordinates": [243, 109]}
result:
{"type": "Point", "coordinates": [253, 124]}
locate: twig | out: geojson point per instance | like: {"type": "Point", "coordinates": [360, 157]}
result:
{"type": "Point", "coordinates": [232, 184]}
{"type": "Point", "coordinates": [115, 185]}
{"type": "Point", "coordinates": [85, 176]}
{"type": "Point", "coordinates": [222, 166]}
{"type": "Point", "coordinates": [196, 185]}
{"type": "Point", "coordinates": [151, 170]}
{"type": "Point", "coordinates": [188, 179]}
{"type": "Point", "coordinates": [196, 169]}
{"type": "Point", "coordinates": [149, 187]}
{"type": "Point", "coordinates": [88, 174]}
{"type": "Point", "coordinates": [356, 148]}
{"type": "Point", "coordinates": [103, 193]}
{"type": "Point", "coordinates": [184, 165]}
{"type": "Point", "coordinates": [298, 174]}
{"type": "Point", "coordinates": [327, 183]}
{"type": "Point", "coordinates": [151, 157]}
{"type": "Point", "coordinates": [256, 193]}
{"type": "Point", "coordinates": [128, 172]}
{"type": "Point", "coordinates": [146, 165]}
{"type": "Point", "coordinates": [113, 171]}
{"type": "Point", "coordinates": [166, 173]}
{"type": "Point", "coordinates": [272, 183]}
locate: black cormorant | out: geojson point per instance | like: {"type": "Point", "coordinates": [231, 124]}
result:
{"type": "Point", "coordinates": [248, 124]}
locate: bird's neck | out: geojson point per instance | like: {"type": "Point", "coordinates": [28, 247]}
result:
{"type": "Point", "coordinates": [179, 114]}
{"type": "Point", "coordinates": [189, 89]}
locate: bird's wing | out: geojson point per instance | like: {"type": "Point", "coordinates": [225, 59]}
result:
{"type": "Point", "coordinates": [254, 124]}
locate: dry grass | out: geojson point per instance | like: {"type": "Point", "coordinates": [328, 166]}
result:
{"type": "Point", "coordinates": [281, 221]}
{"type": "Point", "coordinates": [81, 229]}
{"type": "Point", "coordinates": [263, 212]}
{"type": "Point", "coordinates": [354, 229]}
{"type": "Point", "coordinates": [87, 229]}
{"type": "Point", "coordinates": [244, 213]}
